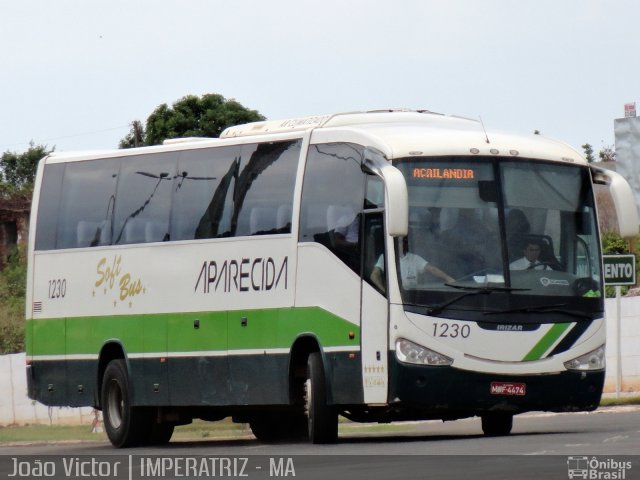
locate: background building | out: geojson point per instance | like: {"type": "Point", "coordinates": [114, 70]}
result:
{"type": "Point", "coordinates": [627, 138]}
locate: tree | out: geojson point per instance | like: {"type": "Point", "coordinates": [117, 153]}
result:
{"type": "Point", "coordinates": [17, 174]}
{"type": "Point", "coordinates": [607, 154]}
{"type": "Point", "coordinates": [588, 152]}
{"type": "Point", "coordinates": [135, 137]}
{"type": "Point", "coordinates": [19, 169]}
{"type": "Point", "coordinates": [191, 116]}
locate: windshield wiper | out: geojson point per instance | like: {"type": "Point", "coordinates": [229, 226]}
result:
{"type": "Point", "coordinates": [487, 289]}
{"type": "Point", "coordinates": [435, 309]}
{"type": "Point", "coordinates": [543, 309]}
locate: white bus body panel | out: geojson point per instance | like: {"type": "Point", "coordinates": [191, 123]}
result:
{"type": "Point", "coordinates": [166, 278]}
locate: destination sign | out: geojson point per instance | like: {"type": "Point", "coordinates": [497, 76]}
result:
{"type": "Point", "coordinates": [444, 173]}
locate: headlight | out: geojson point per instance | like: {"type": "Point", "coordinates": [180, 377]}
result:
{"type": "Point", "coordinates": [410, 352]}
{"type": "Point", "coordinates": [594, 360]}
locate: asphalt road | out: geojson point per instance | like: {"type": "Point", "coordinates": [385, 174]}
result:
{"type": "Point", "coordinates": [540, 446]}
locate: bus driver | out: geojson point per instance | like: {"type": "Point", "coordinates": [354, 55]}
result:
{"type": "Point", "coordinates": [531, 258]}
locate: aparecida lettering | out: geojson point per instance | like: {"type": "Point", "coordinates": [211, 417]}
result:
{"type": "Point", "coordinates": [243, 275]}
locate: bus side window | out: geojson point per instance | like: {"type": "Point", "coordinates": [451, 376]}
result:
{"type": "Point", "coordinates": [88, 198]}
{"type": "Point", "coordinates": [144, 196]}
{"type": "Point", "coordinates": [333, 199]}
{"type": "Point", "coordinates": [374, 267]}
{"type": "Point", "coordinates": [374, 197]}
{"type": "Point", "coordinates": [265, 185]}
{"type": "Point", "coordinates": [203, 193]}
{"type": "Point", "coordinates": [50, 193]}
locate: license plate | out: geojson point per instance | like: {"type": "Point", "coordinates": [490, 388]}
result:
{"type": "Point", "coordinates": [507, 388]}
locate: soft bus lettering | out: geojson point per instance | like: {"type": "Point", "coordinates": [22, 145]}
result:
{"type": "Point", "coordinates": [108, 274]}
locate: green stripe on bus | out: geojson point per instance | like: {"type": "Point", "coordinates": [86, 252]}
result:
{"type": "Point", "coordinates": [191, 332]}
{"type": "Point", "coordinates": [545, 342]}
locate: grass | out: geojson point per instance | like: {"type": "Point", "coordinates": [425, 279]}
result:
{"type": "Point", "coordinates": [198, 430]}
{"type": "Point", "coordinates": [49, 433]}
{"type": "Point", "coordinates": [609, 402]}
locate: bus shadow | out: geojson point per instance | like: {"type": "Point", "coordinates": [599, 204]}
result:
{"type": "Point", "coordinates": [353, 439]}
{"type": "Point", "coordinates": [412, 438]}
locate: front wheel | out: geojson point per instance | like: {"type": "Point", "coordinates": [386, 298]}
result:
{"type": "Point", "coordinates": [322, 417]}
{"type": "Point", "coordinates": [497, 424]}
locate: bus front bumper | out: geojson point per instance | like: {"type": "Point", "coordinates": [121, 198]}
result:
{"type": "Point", "coordinates": [442, 392]}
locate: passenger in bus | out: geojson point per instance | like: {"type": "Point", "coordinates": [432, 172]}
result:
{"type": "Point", "coordinates": [411, 266]}
{"type": "Point", "coordinates": [531, 257]}
{"type": "Point", "coordinates": [517, 223]}
{"type": "Point", "coordinates": [469, 240]}
{"type": "Point", "coordinates": [345, 224]}
{"type": "Point", "coordinates": [347, 228]}
{"type": "Point", "coordinates": [344, 219]}
{"type": "Point", "coordinates": [518, 229]}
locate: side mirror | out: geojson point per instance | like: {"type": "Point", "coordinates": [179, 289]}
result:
{"type": "Point", "coordinates": [623, 200]}
{"type": "Point", "coordinates": [396, 198]}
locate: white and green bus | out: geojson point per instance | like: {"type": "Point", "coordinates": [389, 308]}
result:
{"type": "Point", "coordinates": [365, 264]}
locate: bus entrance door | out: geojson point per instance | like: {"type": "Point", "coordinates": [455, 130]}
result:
{"type": "Point", "coordinates": [374, 313]}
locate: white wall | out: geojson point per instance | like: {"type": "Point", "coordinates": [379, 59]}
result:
{"type": "Point", "coordinates": [15, 407]}
{"type": "Point", "coordinates": [629, 345]}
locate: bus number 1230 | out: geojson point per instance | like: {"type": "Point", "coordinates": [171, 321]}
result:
{"type": "Point", "coordinates": [451, 330]}
{"type": "Point", "coordinates": [57, 288]}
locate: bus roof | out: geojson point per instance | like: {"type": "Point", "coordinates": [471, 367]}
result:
{"type": "Point", "coordinates": [332, 120]}
{"type": "Point", "coordinates": [405, 133]}
{"type": "Point", "coordinates": [397, 133]}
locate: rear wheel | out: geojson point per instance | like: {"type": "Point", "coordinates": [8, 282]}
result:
{"type": "Point", "coordinates": [122, 422]}
{"type": "Point", "coordinates": [128, 426]}
{"type": "Point", "coordinates": [497, 424]}
{"type": "Point", "coordinates": [322, 418]}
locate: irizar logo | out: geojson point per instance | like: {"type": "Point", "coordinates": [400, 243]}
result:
{"type": "Point", "coordinates": [509, 328]}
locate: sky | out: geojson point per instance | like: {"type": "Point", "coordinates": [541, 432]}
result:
{"type": "Point", "coordinates": [74, 74]}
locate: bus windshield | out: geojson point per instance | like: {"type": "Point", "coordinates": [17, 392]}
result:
{"type": "Point", "coordinates": [523, 230]}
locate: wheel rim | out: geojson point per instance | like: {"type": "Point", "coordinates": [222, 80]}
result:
{"type": "Point", "coordinates": [308, 402]}
{"type": "Point", "coordinates": [115, 404]}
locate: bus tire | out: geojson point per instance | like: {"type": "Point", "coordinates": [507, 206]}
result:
{"type": "Point", "coordinates": [121, 421]}
{"type": "Point", "coordinates": [264, 430]}
{"type": "Point", "coordinates": [322, 418]}
{"type": "Point", "coordinates": [497, 424]}
{"type": "Point", "coordinates": [160, 434]}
